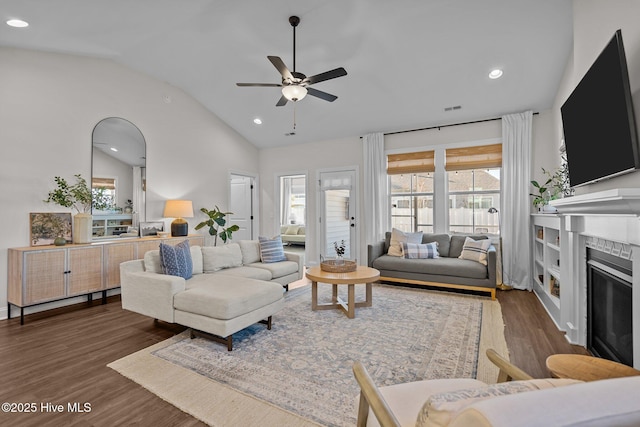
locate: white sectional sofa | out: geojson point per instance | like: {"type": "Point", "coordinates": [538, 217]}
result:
{"type": "Point", "coordinates": [229, 290]}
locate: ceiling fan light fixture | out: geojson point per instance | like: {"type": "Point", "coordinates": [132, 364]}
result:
{"type": "Point", "coordinates": [495, 74]}
{"type": "Point", "coordinates": [294, 92]}
{"type": "Point", "coordinates": [17, 23]}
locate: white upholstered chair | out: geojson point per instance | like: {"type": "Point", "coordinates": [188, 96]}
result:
{"type": "Point", "coordinates": [399, 405]}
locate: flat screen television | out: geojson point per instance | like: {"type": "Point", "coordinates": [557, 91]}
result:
{"type": "Point", "coordinates": [599, 124]}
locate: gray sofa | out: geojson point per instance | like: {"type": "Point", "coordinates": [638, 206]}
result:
{"type": "Point", "coordinates": [230, 289]}
{"type": "Point", "coordinates": [448, 271]}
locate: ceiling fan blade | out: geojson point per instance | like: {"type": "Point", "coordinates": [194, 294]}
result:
{"type": "Point", "coordinates": [328, 75]}
{"type": "Point", "coordinates": [277, 62]}
{"type": "Point", "coordinates": [258, 85]}
{"type": "Point", "coordinates": [320, 94]}
{"type": "Point", "coordinates": [282, 101]}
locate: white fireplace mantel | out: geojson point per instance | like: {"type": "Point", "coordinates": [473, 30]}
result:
{"type": "Point", "coordinates": [619, 201]}
{"type": "Point", "coordinates": [612, 218]}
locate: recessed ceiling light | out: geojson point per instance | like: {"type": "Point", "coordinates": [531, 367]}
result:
{"type": "Point", "coordinates": [257, 121]}
{"type": "Point", "coordinates": [18, 23]}
{"type": "Point", "coordinates": [114, 149]}
{"type": "Point", "coordinates": [495, 74]}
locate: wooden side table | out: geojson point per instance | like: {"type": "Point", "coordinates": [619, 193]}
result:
{"type": "Point", "coordinates": [363, 274]}
{"type": "Point", "coordinates": [587, 368]}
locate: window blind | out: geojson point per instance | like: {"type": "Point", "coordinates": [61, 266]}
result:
{"type": "Point", "coordinates": [480, 157]}
{"type": "Point", "coordinates": [107, 183]}
{"type": "Point", "coordinates": [418, 162]}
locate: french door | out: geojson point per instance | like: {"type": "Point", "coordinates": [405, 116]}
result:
{"type": "Point", "coordinates": [338, 212]}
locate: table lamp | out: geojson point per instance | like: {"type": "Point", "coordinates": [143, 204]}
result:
{"type": "Point", "coordinates": [179, 209]}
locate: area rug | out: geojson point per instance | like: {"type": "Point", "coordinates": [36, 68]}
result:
{"type": "Point", "coordinates": [299, 373]}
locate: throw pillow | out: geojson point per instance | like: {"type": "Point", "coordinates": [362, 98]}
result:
{"type": "Point", "coordinates": [215, 258]}
{"type": "Point", "coordinates": [397, 237]}
{"type": "Point", "coordinates": [292, 230]}
{"type": "Point", "coordinates": [250, 251]}
{"type": "Point", "coordinates": [441, 408]}
{"type": "Point", "coordinates": [475, 250]}
{"type": "Point", "coordinates": [152, 262]}
{"type": "Point", "coordinates": [420, 251]}
{"type": "Point", "coordinates": [271, 250]}
{"type": "Point", "coordinates": [176, 260]}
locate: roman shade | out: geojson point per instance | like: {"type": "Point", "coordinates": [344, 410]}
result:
{"type": "Point", "coordinates": [106, 183]}
{"type": "Point", "coordinates": [418, 162]}
{"type": "Point", "coordinates": [479, 157]}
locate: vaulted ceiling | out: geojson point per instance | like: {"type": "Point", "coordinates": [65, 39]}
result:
{"type": "Point", "coordinates": [407, 60]}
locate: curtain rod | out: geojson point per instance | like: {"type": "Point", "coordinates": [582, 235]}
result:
{"type": "Point", "coordinates": [445, 126]}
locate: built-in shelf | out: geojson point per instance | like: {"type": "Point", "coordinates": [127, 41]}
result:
{"type": "Point", "coordinates": [546, 253]}
{"type": "Point", "coordinates": [108, 226]}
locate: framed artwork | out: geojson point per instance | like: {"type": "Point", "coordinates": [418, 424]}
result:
{"type": "Point", "coordinates": [46, 226]}
{"type": "Point", "coordinates": [151, 228]}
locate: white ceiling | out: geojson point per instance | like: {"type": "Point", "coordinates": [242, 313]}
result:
{"type": "Point", "coordinates": [406, 60]}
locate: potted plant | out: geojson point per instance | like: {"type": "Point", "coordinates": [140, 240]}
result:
{"type": "Point", "coordinates": [215, 222]}
{"type": "Point", "coordinates": [556, 185]}
{"type": "Point", "coordinates": [340, 250]}
{"type": "Point", "coordinates": [78, 197]}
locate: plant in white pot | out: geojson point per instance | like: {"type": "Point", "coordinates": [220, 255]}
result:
{"type": "Point", "coordinates": [77, 197]}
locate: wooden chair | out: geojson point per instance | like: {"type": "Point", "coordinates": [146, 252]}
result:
{"type": "Point", "coordinates": [371, 398]}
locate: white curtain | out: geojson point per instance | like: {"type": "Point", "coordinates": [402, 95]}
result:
{"type": "Point", "coordinates": [376, 203]}
{"type": "Point", "coordinates": [138, 196]}
{"type": "Point", "coordinates": [516, 168]}
{"type": "Point", "coordinates": [285, 186]}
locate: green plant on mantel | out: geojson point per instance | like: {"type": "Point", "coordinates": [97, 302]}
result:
{"type": "Point", "coordinates": [76, 196]}
{"type": "Point", "coordinates": [216, 223]}
{"type": "Point", "coordinates": [557, 185]}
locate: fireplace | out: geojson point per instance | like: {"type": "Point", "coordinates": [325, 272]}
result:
{"type": "Point", "coordinates": [609, 306]}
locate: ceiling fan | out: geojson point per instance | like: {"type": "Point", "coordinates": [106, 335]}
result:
{"type": "Point", "coordinates": [295, 85]}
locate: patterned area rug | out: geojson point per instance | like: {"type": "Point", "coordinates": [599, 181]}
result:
{"type": "Point", "coordinates": [303, 365]}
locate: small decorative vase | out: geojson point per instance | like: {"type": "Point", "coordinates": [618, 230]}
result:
{"type": "Point", "coordinates": [60, 241]}
{"type": "Point", "coordinates": [339, 260]}
{"type": "Point", "coordinates": [82, 223]}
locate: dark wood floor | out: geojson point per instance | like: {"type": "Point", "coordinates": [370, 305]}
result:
{"type": "Point", "coordinates": [60, 357]}
{"type": "Point", "coordinates": [530, 333]}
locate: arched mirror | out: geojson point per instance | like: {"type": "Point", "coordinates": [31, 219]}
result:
{"type": "Point", "coordinates": [118, 178]}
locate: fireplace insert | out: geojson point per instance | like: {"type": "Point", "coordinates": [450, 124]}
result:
{"type": "Point", "coordinates": [609, 307]}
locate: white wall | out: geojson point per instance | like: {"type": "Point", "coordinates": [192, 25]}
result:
{"type": "Point", "coordinates": [49, 105]}
{"type": "Point", "coordinates": [306, 158]}
{"type": "Point", "coordinates": [595, 22]}
{"type": "Point", "coordinates": [105, 166]}
{"type": "Point", "coordinates": [312, 157]}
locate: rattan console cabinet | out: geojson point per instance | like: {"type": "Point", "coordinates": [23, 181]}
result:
{"type": "Point", "coordinates": [42, 274]}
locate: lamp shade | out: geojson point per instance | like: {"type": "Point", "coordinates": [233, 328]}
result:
{"type": "Point", "coordinates": [294, 92]}
{"type": "Point", "coordinates": [178, 209]}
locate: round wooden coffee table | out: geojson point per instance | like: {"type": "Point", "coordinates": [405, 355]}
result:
{"type": "Point", "coordinates": [362, 274]}
{"type": "Point", "coordinates": [587, 368]}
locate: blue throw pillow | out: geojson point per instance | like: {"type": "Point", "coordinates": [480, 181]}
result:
{"type": "Point", "coordinates": [176, 260]}
{"type": "Point", "coordinates": [271, 250]}
{"type": "Point", "coordinates": [420, 251]}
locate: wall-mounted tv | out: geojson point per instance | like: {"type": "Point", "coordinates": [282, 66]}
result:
{"type": "Point", "coordinates": [600, 133]}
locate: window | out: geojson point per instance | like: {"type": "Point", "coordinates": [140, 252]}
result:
{"type": "Point", "coordinates": [454, 196]}
{"type": "Point", "coordinates": [471, 194]}
{"type": "Point", "coordinates": [412, 202]}
{"type": "Point", "coordinates": [292, 199]}
{"type": "Point", "coordinates": [103, 193]}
